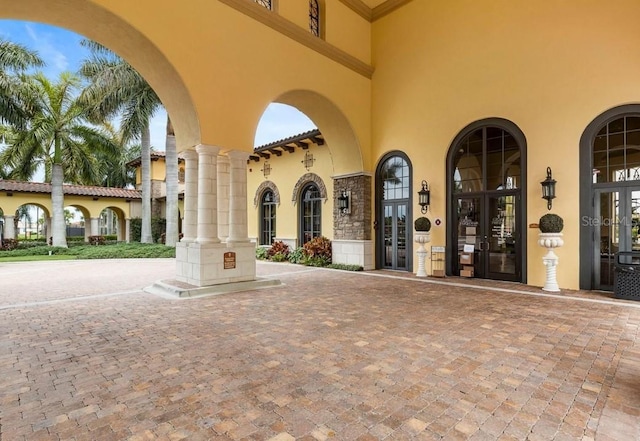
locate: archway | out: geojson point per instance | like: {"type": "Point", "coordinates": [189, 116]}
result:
{"type": "Point", "coordinates": [486, 201]}
{"type": "Point", "coordinates": [609, 193]}
{"type": "Point", "coordinates": [91, 20]}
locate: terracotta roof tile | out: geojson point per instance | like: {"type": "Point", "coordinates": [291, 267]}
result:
{"type": "Point", "coordinates": [79, 190]}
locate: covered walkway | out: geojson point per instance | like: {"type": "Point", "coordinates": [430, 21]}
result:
{"type": "Point", "coordinates": [327, 355]}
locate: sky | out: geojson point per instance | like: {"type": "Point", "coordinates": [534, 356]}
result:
{"type": "Point", "coordinates": [61, 51]}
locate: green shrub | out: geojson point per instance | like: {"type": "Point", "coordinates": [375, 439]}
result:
{"type": "Point", "coordinates": [261, 253]}
{"type": "Point", "coordinates": [316, 261]}
{"type": "Point", "coordinates": [422, 224]}
{"type": "Point", "coordinates": [345, 267]}
{"type": "Point", "coordinates": [551, 223]}
{"type": "Point", "coordinates": [297, 255]}
{"type": "Point", "coordinates": [278, 257]}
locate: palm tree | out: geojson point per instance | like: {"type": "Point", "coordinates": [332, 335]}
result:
{"type": "Point", "coordinates": [114, 170]}
{"type": "Point", "coordinates": [116, 88]}
{"type": "Point", "coordinates": [14, 59]}
{"type": "Point", "coordinates": [171, 182]}
{"type": "Point", "coordinates": [58, 137]}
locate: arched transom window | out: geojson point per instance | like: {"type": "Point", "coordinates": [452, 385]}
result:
{"type": "Point", "coordinates": [395, 177]}
{"type": "Point", "coordinates": [616, 151]}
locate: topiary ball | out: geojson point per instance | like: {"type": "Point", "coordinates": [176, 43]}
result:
{"type": "Point", "coordinates": [551, 223]}
{"type": "Point", "coordinates": [422, 224]}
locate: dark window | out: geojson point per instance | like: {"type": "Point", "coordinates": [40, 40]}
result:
{"type": "Point", "coordinates": [314, 17]}
{"type": "Point", "coordinates": [265, 3]}
{"type": "Point", "coordinates": [486, 159]}
{"type": "Point", "coordinates": [395, 179]}
{"type": "Point", "coordinates": [311, 214]}
{"type": "Point", "coordinates": [616, 151]}
{"type": "Point", "coordinates": [267, 218]}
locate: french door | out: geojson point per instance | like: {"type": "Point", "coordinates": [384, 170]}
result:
{"type": "Point", "coordinates": [395, 235]}
{"type": "Point", "coordinates": [487, 226]}
{"type": "Point", "coordinates": [615, 228]}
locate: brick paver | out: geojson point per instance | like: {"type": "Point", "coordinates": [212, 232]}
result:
{"type": "Point", "coordinates": [85, 354]}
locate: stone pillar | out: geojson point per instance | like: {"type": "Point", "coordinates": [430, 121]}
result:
{"type": "Point", "coordinates": [189, 225]}
{"type": "Point", "coordinates": [223, 197]}
{"type": "Point", "coordinates": [95, 226]}
{"type": "Point", "coordinates": [207, 226]}
{"type": "Point", "coordinates": [127, 230]}
{"type": "Point", "coordinates": [352, 237]}
{"type": "Point", "coordinates": [9, 227]}
{"type": "Point", "coordinates": [238, 231]}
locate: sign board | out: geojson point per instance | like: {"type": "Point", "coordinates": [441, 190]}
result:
{"type": "Point", "coordinates": [437, 249]}
{"type": "Point", "coordinates": [229, 260]}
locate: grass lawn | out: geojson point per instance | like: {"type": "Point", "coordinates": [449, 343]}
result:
{"type": "Point", "coordinates": [36, 258]}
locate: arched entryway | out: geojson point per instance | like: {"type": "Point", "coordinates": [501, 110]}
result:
{"type": "Point", "coordinates": [394, 216]}
{"type": "Point", "coordinates": [486, 204]}
{"type": "Point", "coordinates": [609, 193]}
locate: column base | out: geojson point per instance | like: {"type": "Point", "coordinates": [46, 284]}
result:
{"type": "Point", "coordinates": [353, 252]}
{"type": "Point", "coordinates": [174, 288]}
{"type": "Point", "coordinates": [201, 265]}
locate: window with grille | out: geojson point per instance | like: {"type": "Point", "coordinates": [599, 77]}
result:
{"type": "Point", "coordinates": [265, 3]}
{"type": "Point", "coordinates": [268, 218]}
{"type": "Point", "coordinates": [314, 17]}
{"type": "Point", "coordinates": [311, 215]}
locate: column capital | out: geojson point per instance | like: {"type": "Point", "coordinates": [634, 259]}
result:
{"type": "Point", "coordinates": [237, 154]}
{"type": "Point", "coordinates": [189, 154]}
{"type": "Point", "coordinates": [204, 149]}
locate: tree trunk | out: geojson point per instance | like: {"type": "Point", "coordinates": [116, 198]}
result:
{"type": "Point", "coordinates": [145, 153]}
{"type": "Point", "coordinates": [58, 230]}
{"type": "Point", "coordinates": [171, 181]}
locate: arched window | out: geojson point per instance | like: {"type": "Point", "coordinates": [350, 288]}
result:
{"type": "Point", "coordinates": [609, 194]}
{"type": "Point", "coordinates": [310, 213]}
{"type": "Point", "coordinates": [393, 190]}
{"type": "Point", "coordinates": [265, 3]}
{"type": "Point", "coordinates": [486, 211]}
{"type": "Point", "coordinates": [314, 17]}
{"type": "Point", "coordinates": [267, 218]}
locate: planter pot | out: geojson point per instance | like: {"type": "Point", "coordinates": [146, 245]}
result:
{"type": "Point", "coordinates": [422, 237]}
{"type": "Point", "coordinates": [550, 241]}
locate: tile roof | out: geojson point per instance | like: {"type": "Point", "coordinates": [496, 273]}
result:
{"type": "Point", "coordinates": [154, 157]}
{"type": "Point", "coordinates": [79, 190]}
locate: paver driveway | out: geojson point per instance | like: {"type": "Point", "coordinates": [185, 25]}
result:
{"type": "Point", "coordinates": [87, 355]}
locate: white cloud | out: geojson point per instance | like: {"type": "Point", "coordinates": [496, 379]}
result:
{"type": "Point", "coordinates": [44, 44]}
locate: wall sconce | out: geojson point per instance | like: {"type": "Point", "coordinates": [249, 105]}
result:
{"type": "Point", "coordinates": [424, 197]}
{"type": "Point", "coordinates": [308, 160]}
{"type": "Point", "coordinates": [266, 169]}
{"type": "Point", "coordinates": [343, 202]}
{"type": "Point", "coordinates": [548, 188]}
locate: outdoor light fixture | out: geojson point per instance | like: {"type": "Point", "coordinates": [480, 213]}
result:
{"type": "Point", "coordinates": [343, 202]}
{"type": "Point", "coordinates": [424, 197]}
{"type": "Point", "coordinates": [548, 188]}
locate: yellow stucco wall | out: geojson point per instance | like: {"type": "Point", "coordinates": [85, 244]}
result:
{"type": "Point", "coordinates": [549, 67]}
{"type": "Point", "coordinates": [286, 172]}
{"type": "Point", "coordinates": [86, 204]}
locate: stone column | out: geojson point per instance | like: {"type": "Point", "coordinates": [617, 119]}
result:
{"type": "Point", "coordinates": [223, 197]}
{"type": "Point", "coordinates": [95, 226]}
{"type": "Point", "coordinates": [189, 227]}
{"type": "Point", "coordinates": [127, 230]}
{"type": "Point", "coordinates": [207, 226]}
{"type": "Point", "coordinates": [238, 231]}
{"type": "Point", "coordinates": [9, 227]}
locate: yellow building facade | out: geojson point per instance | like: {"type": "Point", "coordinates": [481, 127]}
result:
{"type": "Point", "coordinates": [476, 98]}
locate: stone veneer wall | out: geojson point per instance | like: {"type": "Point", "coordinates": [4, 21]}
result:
{"type": "Point", "coordinates": [357, 224]}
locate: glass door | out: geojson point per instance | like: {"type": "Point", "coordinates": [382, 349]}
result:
{"type": "Point", "coordinates": [616, 225]}
{"type": "Point", "coordinates": [487, 229]}
{"type": "Point", "coordinates": [395, 236]}
{"type": "Point", "coordinates": [501, 240]}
